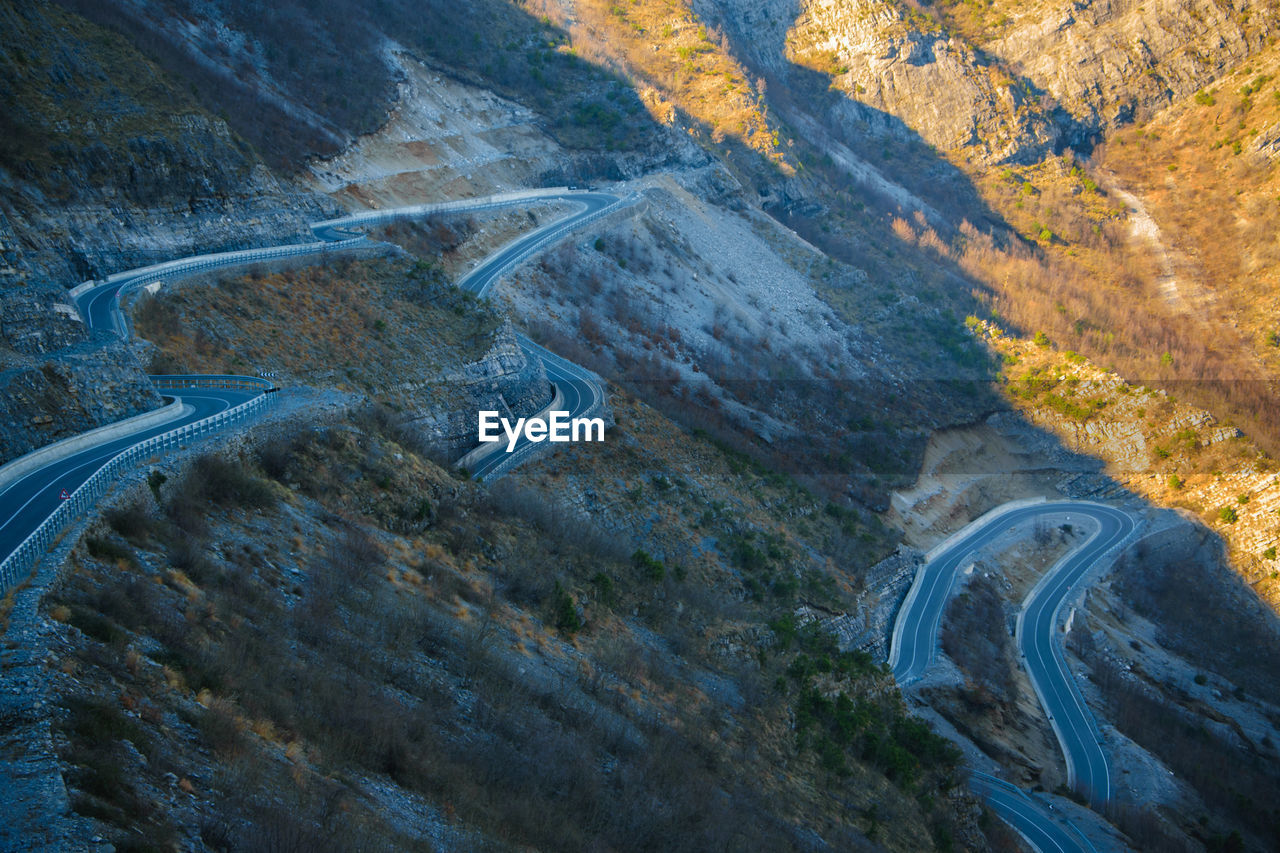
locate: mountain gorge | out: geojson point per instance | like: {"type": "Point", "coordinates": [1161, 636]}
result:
{"type": "Point", "coordinates": [883, 267]}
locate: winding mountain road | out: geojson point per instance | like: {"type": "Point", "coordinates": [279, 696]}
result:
{"type": "Point", "coordinates": [583, 391]}
{"type": "Point", "coordinates": [29, 502]}
{"type": "Point", "coordinates": [1033, 819]}
{"type": "Point", "coordinates": [916, 631]}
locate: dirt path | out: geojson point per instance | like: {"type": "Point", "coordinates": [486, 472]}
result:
{"type": "Point", "coordinates": [1176, 281]}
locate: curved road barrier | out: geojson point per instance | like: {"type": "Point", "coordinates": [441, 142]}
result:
{"type": "Point", "coordinates": [42, 456]}
{"type": "Point", "coordinates": [41, 504]}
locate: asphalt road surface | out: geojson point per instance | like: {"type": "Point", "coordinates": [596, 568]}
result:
{"type": "Point", "coordinates": [29, 500]}
{"type": "Point", "coordinates": [916, 631]}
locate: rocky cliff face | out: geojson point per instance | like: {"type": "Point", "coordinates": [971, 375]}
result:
{"type": "Point", "coordinates": [1108, 62]}
{"type": "Point", "coordinates": [899, 62]}
{"type": "Point", "coordinates": [901, 74]}
{"type": "Point", "coordinates": [108, 164]}
{"type": "Point", "coordinates": [1033, 79]}
{"type": "Point", "coordinates": [869, 627]}
{"type": "Point", "coordinates": [44, 400]}
{"type": "Point", "coordinates": [503, 379]}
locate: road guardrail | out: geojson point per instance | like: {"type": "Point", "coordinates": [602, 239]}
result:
{"type": "Point", "coordinates": [25, 556]}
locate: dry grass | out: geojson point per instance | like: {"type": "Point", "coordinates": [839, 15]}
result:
{"type": "Point", "coordinates": [368, 324]}
{"type": "Point", "coordinates": [1216, 199]}
{"type": "Point", "coordinates": [686, 74]}
{"type": "Point", "coordinates": [1074, 278]}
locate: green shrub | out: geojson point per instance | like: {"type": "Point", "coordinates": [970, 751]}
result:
{"type": "Point", "coordinates": [1228, 514]}
{"type": "Point", "coordinates": [604, 589]}
{"type": "Point", "coordinates": [566, 611]}
{"type": "Point", "coordinates": [651, 567]}
{"type": "Point", "coordinates": [155, 480]}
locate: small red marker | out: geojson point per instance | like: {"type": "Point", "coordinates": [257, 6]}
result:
{"type": "Point", "coordinates": [66, 496]}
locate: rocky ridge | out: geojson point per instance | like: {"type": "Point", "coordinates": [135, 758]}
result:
{"type": "Point", "coordinates": [884, 56]}
{"type": "Point", "coordinates": [1038, 77]}
{"type": "Point", "coordinates": [1110, 62]}
{"type": "Point", "coordinates": [504, 379]}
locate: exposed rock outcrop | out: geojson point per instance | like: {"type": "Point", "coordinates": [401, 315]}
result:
{"type": "Point", "coordinates": [504, 379]}
{"type": "Point", "coordinates": [938, 85]}
{"type": "Point", "coordinates": [34, 322]}
{"type": "Point", "coordinates": [1108, 62]}
{"type": "Point", "coordinates": [870, 627]}
{"type": "Point", "coordinates": [1045, 76]}
{"type": "Point", "coordinates": [42, 400]}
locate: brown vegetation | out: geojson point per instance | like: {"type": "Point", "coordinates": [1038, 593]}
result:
{"type": "Point", "coordinates": [1206, 169]}
{"type": "Point", "coordinates": [687, 74]}
{"type": "Point", "coordinates": [1157, 445]}
{"type": "Point", "coordinates": [346, 324]}
{"type": "Point", "coordinates": [284, 674]}
{"type": "Point", "coordinates": [976, 636]}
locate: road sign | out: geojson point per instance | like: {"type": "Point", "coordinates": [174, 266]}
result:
{"type": "Point", "coordinates": [66, 496]}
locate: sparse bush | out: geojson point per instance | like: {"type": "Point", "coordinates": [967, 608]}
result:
{"type": "Point", "coordinates": [221, 729]}
{"type": "Point", "coordinates": [105, 549]}
{"type": "Point", "coordinates": [156, 479]}
{"type": "Point", "coordinates": [219, 480]}
{"type": "Point", "coordinates": [132, 521]}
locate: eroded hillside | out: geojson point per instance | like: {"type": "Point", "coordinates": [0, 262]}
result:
{"type": "Point", "coordinates": [625, 644]}
{"type": "Point", "coordinates": [643, 657]}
